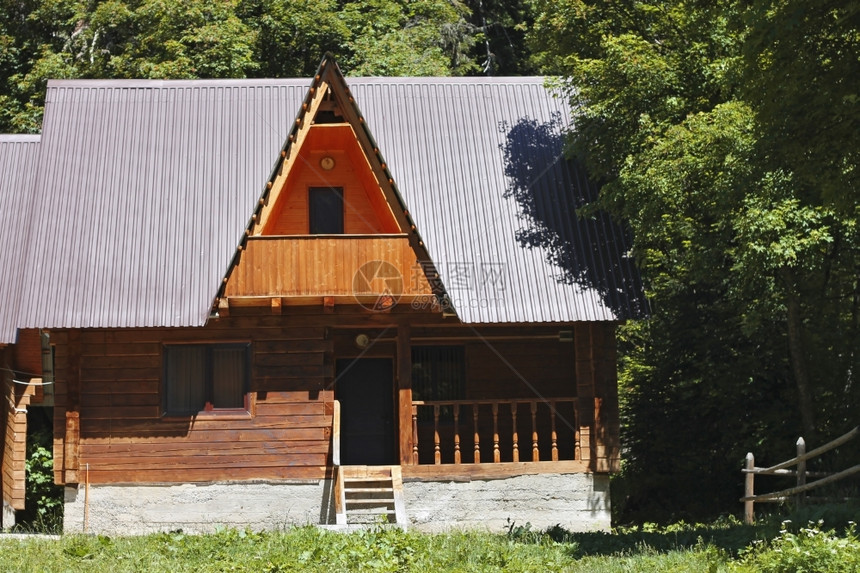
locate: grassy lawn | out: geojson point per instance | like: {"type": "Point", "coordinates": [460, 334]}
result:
{"type": "Point", "coordinates": [726, 545]}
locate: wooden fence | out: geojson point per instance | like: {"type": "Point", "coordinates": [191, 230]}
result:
{"type": "Point", "coordinates": [799, 491]}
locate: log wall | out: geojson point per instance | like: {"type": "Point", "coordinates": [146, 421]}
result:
{"type": "Point", "coordinates": [124, 437]}
{"type": "Point", "coordinates": [13, 429]}
{"type": "Point", "coordinates": [109, 413]}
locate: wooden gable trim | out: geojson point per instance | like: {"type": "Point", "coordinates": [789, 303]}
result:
{"type": "Point", "coordinates": [330, 79]}
{"type": "Point", "coordinates": [292, 149]}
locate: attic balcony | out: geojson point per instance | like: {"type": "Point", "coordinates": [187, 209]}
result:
{"type": "Point", "coordinates": [371, 270]}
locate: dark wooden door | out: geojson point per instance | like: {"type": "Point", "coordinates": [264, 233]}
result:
{"type": "Point", "coordinates": [366, 394]}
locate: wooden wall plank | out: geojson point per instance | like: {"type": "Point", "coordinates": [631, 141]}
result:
{"type": "Point", "coordinates": [208, 474]}
{"type": "Point", "coordinates": [320, 266]}
{"type": "Point", "coordinates": [27, 352]}
{"type": "Point", "coordinates": [121, 424]}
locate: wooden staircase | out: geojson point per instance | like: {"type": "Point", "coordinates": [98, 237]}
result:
{"type": "Point", "coordinates": [369, 495]}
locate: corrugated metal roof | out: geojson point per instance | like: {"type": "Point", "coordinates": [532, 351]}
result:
{"type": "Point", "coordinates": [480, 165]}
{"type": "Point", "coordinates": [146, 188]}
{"type": "Point", "coordinates": [18, 157]}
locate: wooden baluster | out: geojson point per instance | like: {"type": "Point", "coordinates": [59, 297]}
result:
{"type": "Point", "coordinates": [577, 451]}
{"type": "Point", "coordinates": [456, 433]}
{"type": "Point", "coordinates": [535, 450]}
{"type": "Point", "coordinates": [497, 456]}
{"type": "Point", "coordinates": [477, 459]}
{"type": "Point", "coordinates": [414, 435]}
{"type": "Point", "coordinates": [515, 436]}
{"type": "Point", "coordinates": [437, 452]}
{"type": "Point", "coordinates": [554, 434]}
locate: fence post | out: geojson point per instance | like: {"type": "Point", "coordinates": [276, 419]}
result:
{"type": "Point", "coordinates": [801, 471]}
{"type": "Point", "coordinates": [749, 489]}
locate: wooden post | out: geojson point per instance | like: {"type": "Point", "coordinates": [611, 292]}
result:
{"type": "Point", "coordinates": [408, 428]}
{"type": "Point", "coordinates": [535, 449]}
{"type": "Point", "coordinates": [437, 452]}
{"type": "Point", "coordinates": [414, 435]}
{"type": "Point", "coordinates": [749, 490]}
{"type": "Point", "coordinates": [457, 457]}
{"type": "Point", "coordinates": [72, 439]}
{"type": "Point", "coordinates": [585, 391]}
{"type": "Point", "coordinates": [585, 443]}
{"type": "Point", "coordinates": [335, 433]}
{"type": "Point", "coordinates": [800, 499]}
{"type": "Point", "coordinates": [477, 459]}
{"type": "Point", "coordinates": [72, 435]}
{"type": "Point", "coordinates": [554, 434]}
{"type": "Point", "coordinates": [496, 454]}
{"type": "Point", "coordinates": [515, 437]}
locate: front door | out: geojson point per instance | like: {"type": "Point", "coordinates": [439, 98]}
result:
{"type": "Point", "coordinates": [366, 393]}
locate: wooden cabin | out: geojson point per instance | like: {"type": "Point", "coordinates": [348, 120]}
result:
{"type": "Point", "coordinates": [267, 305]}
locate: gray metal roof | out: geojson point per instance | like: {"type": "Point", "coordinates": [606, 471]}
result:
{"type": "Point", "coordinates": [145, 188]}
{"type": "Point", "coordinates": [18, 157]}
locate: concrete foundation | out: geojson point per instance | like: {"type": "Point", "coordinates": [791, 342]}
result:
{"type": "Point", "coordinates": [196, 508]}
{"type": "Point", "coordinates": [578, 502]}
{"type": "Point", "coordinates": [7, 517]}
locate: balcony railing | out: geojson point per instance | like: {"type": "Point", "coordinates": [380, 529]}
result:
{"type": "Point", "coordinates": [496, 431]}
{"type": "Point", "coordinates": [327, 265]}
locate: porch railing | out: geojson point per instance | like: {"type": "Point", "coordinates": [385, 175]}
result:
{"type": "Point", "coordinates": [549, 428]}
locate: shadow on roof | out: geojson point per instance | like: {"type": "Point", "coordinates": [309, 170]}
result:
{"type": "Point", "coordinates": [592, 251]}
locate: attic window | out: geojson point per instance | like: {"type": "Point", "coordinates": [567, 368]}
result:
{"type": "Point", "coordinates": [205, 377]}
{"type": "Point", "coordinates": [325, 210]}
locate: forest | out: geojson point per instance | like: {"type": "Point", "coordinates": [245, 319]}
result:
{"type": "Point", "coordinates": [725, 135]}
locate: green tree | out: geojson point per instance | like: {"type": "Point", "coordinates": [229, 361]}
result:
{"type": "Point", "coordinates": [407, 38]}
{"type": "Point", "coordinates": [294, 34]}
{"type": "Point", "coordinates": [500, 45]}
{"type": "Point", "coordinates": [114, 39]}
{"type": "Point", "coordinates": [750, 258]}
{"type": "Point", "coordinates": [42, 39]}
{"type": "Point", "coordinates": [33, 35]}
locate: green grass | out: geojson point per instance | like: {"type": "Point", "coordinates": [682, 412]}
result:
{"type": "Point", "coordinates": [725, 545]}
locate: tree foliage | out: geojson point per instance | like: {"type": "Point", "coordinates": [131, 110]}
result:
{"type": "Point", "coordinates": [735, 167]}
{"type": "Point", "coordinates": [41, 39]}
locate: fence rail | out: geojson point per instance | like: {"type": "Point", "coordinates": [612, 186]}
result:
{"type": "Point", "coordinates": [801, 473]}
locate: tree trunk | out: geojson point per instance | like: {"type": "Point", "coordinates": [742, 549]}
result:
{"type": "Point", "coordinates": [797, 355]}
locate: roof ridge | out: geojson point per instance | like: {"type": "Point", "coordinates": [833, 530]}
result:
{"type": "Point", "coordinates": [302, 81]}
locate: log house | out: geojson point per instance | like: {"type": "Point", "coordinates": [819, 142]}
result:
{"type": "Point", "coordinates": [240, 353]}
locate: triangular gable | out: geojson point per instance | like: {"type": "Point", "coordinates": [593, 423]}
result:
{"type": "Point", "coordinates": [329, 118]}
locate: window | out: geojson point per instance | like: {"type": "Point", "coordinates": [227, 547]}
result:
{"type": "Point", "coordinates": [438, 373]}
{"type": "Point", "coordinates": [205, 377]}
{"type": "Point", "coordinates": [325, 210]}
